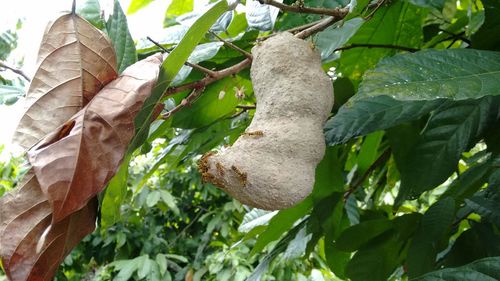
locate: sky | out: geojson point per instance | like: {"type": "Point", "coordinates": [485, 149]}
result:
{"type": "Point", "coordinates": [35, 15]}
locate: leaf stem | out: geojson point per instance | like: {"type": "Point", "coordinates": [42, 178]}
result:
{"type": "Point", "coordinates": [231, 45]}
{"type": "Point", "coordinates": [195, 66]}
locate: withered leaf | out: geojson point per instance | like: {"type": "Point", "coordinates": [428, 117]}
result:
{"type": "Point", "coordinates": [75, 61]}
{"type": "Point", "coordinates": [30, 247]}
{"type": "Point", "coordinates": [75, 162]}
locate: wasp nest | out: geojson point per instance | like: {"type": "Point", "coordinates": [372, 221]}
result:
{"type": "Point", "coordinates": [272, 165]}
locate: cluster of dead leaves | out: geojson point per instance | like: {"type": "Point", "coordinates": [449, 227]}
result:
{"type": "Point", "coordinates": [78, 123]}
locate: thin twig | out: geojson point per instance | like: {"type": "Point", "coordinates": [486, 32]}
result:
{"type": "Point", "coordinates": [231, 45]}
{"type": "Point", "coordinates": [195, 66]}
{"type": "Point", "coordinates": [380, 160]}
{"type": "Point", "coordinates": [336, 12]}
{"type": "Point", "coordinates": [208, 80]}
{"type": "Point", "coordinates": [320, 26]}
{"type": "Point", "coordinates": [185, 102]}
{"type": "Point", "coordinates": [246, 107]}
{"type": "Point", "coordinates": [15, 70]}
{"type": "Point", "coordinates": [370, 15]}
{"type": "Point", "coordinates": [384, 46]}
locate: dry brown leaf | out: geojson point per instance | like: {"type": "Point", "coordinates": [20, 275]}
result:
{"type": "Point", "coordinates": [75, 162]}
{"type": "Point", "coordinates": [25, 219]}
{"type": "Point", "coordinates": [75, 61]}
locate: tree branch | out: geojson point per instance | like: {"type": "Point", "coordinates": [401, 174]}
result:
{"type": "Point", "coordinates": [231, 45]}
{"type": "Point", "coordinates": [15, 70]}
{"type": "Point", "coordinates": [380, 160]}
{"type": "Point", "coordinates": [195, 66]}
{"type": "Point", "coordinates": [209, 80]}
{"type": "Point", "coordinates": [320, 26]}
{"type": "Point", "coordinates": [246, 107]}
{"type": "Point", "coordinates": [337, 12]}
{"type": "Point", "coordinates": [385, 46]}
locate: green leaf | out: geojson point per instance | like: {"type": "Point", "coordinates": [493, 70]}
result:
{"type": "Point", "coordinates": [279, 248]}
{"type": "Point", "coordinates": [405, 87]}
{"type": "Point", "coordinates": [120, 36]}
{"type": "Point", "coordinates": [430, 237]}
{"type": "Point", "coordinates": [91, 11]}
{"type": "Point", "coordinates": [480, 241]}
{"type": "Point", "coordinates": [153, 198]}
{"type": "Point", "coordinates": [438, 4]}
{"type": "Point", "coordinates": [136, 5]}
{"type": "Point", "coordinates": [177, 8]}
{"type": "Point", "coordinates": [161, 260]}
{"type": "Point", "coordinates": [280, 223]}
{"type": "Point", "coordinates": [450, 131]}
{"type": "Point", "coordinates": [169, 200]}
{"type": "Point", "coordinates": [430, 74]}
{"type": "Point", "coordinates": [218, 100]}
{"type": "Point", "coordinates": [115, 195]}
{"type": "Point", "coordinates": [487, 269]}
{"type": "Point", "coordinates": [377, 260]}
{"type": "Point", "coordinates": [254, 218]}
{"type": "Point", "coordinates": [10, 94]}
{"type": "Point", "coordinates": [334, 37]}
{"type": "Point", "coordinates": [396, 23]}
{"type": "Point", "coordinates": [487, 37]}
{"type": "Point", "coordinates": [260, 16]}
{"type": "Point", "coordinates": [368, 115]}
{"type": "Point", "coordinates": [171, 66]}
{"type": "Point", "coordinates": [360, 234]}
{"type": "Point", "coordinates": [368, 152]}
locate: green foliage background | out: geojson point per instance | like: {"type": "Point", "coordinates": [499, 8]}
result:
{"type": "Point", "coordinates": [409, 185]}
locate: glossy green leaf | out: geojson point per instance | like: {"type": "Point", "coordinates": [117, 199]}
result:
{"type": "Point", "coordinates": [364, 116]}
{"type": "Point", "coordinates": [450, 131]}
{"type": "Point", "coordinates": [430, 237]}
{"type": "Point", "coordinates": [487, 269]}
{"type": "Point", "coordinates": [405, 87]}
{"type": "Point", "coordinates": [120, 36]}
{"type": "Point", "coordinates": [136, 5]}
{"type": "Point", "coordinates": [91, 11]}
{"type": "Point", "coordinates": [218, 100]}
{"type": "Point", "coordinates": [396, 23]}
{"type": "Point", "coordinates": [336, 36]}
{"type": "Point", "coordinates": [431, 74]}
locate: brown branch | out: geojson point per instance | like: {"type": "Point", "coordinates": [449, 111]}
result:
{"type": "Point", "coordinates": [185, 102]}
{"type": "Point", "coordinates": [384, 46]}
{"type": "Point", "coordinates": [15, 70]}
{"type": "Point", "coordinates": [195, 66]}
{"type": "Point", "coordinates": [336, 12]}
{"type": "Point", "coordinates": [208, 80]}
{"type": "Point", "coordinates": [320, 26]}
{"type": "Point", "coordinates": [380, 160]}
{"type": "Point", "coordinates": [231, 45]}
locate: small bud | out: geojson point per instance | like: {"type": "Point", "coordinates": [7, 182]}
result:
{"type": "Point", "coordinates": [239, 93]}
{"type": "Point", "coordinates": [222, 94]}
